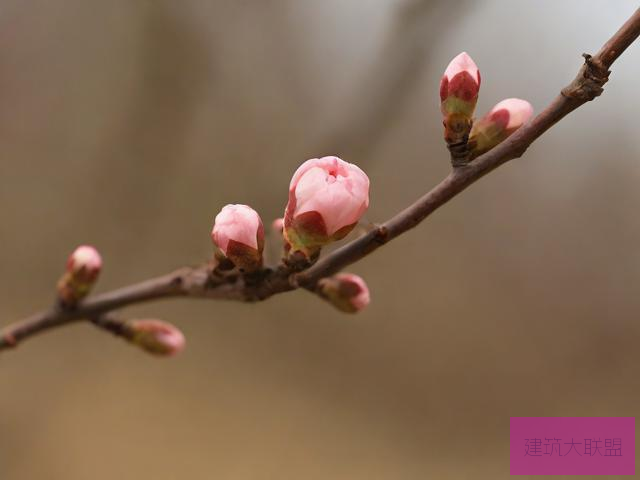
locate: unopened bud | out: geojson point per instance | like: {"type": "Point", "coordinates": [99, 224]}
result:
{"type": "Point", "coordinates": [459, 89]}
{"type": "Point", "coordinates": [345, 291]}
{"type": "Point", "coordinates": [83, 268]}
{"type": "Point", "coordinates": [501, 121]}
{"type": "Point", "coordinates": [239, 234]}
{"type": "Point", "coordinates": [155, 336]}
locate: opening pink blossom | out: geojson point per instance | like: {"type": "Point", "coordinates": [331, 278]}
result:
{"type": "Point", "coordinates": [335, 190]}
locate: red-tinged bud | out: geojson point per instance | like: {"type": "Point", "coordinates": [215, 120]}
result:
{"type": "Point", "coordinates": [459, 89]}
{"type": "Point", "coordinates": [155, 337]}
{"type": "Point", "coordinates": [501, 121]}
{"type": "Point", "coordinates": [239, 234]}
{"type": "Point", "coordinates": [83, 268]}
{"type": "Point", "coordinates": [327, 198]}
{"type": "Point", "coordinates": [345, 291]}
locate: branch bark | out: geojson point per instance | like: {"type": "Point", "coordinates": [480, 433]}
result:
{"type": "Point", "coordinates": [206, 282]}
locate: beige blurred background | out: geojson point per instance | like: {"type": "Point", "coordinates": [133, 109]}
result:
{"type": "Point", "coordinates": [130, 123]}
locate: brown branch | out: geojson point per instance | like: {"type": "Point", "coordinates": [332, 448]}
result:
{"type": "Point", "coordinates": [585, 87]}
{"type": "Point", "coordinates": [193, 282]}
{"type": "Point", "coordinates": [207, 282]}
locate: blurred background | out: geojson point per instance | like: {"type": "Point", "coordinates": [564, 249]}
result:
{"type": "Point", "coordinates": [129, 124]}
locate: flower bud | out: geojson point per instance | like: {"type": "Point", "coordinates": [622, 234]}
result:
{"type": "Point", "coordinates": [155, 336]}
{"type": "Point", "coordinates": [327, 198]}
{"type": "Point", "coordinates": [345, 291]}
{"type": "Point", "coordinates": [83, 268]}
{"type": "Point", "coordinates": [238, 232]}
{"type": "Point", "coordinates": [501, 121]}
{"type": "Point", "coordinates": [459, 89]}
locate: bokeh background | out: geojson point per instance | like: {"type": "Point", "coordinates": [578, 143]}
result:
{"type": "Point", "coordinates": [129, 124]}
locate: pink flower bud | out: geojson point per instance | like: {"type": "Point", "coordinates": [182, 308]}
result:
{"type": "Point", "coordinates": [156, 337]}
{"type": "Point", "coordinates": [83, 268]}
{"type": "Point", "coordinates": [501, 121]}
{"type": "Point", "coordinates": [238, 232]}
{"type": "Point", "coordinates": [461, 81]}
{"type": "Point", "coordinates": [85, 262]}
{"type": "Point", "coordinates": [327, 198]}
{"type": "Point", "coordinates": [459, 89]}
{"type": "Point", "coordinates": [345, 291]}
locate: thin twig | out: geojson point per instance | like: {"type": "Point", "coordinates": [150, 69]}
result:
{"type": "Point", "coordinates": [205, 282]}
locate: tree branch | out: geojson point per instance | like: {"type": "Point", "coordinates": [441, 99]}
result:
{"type": "Point", "coordinates": [585, 87]}
{"type": "Point", "coordinates": [207, 281]}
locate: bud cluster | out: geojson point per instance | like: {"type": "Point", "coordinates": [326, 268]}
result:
{"type": "Point", "coordinates": [459, 88]}
{"type": "Point", "coordinates": [327, 198]}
